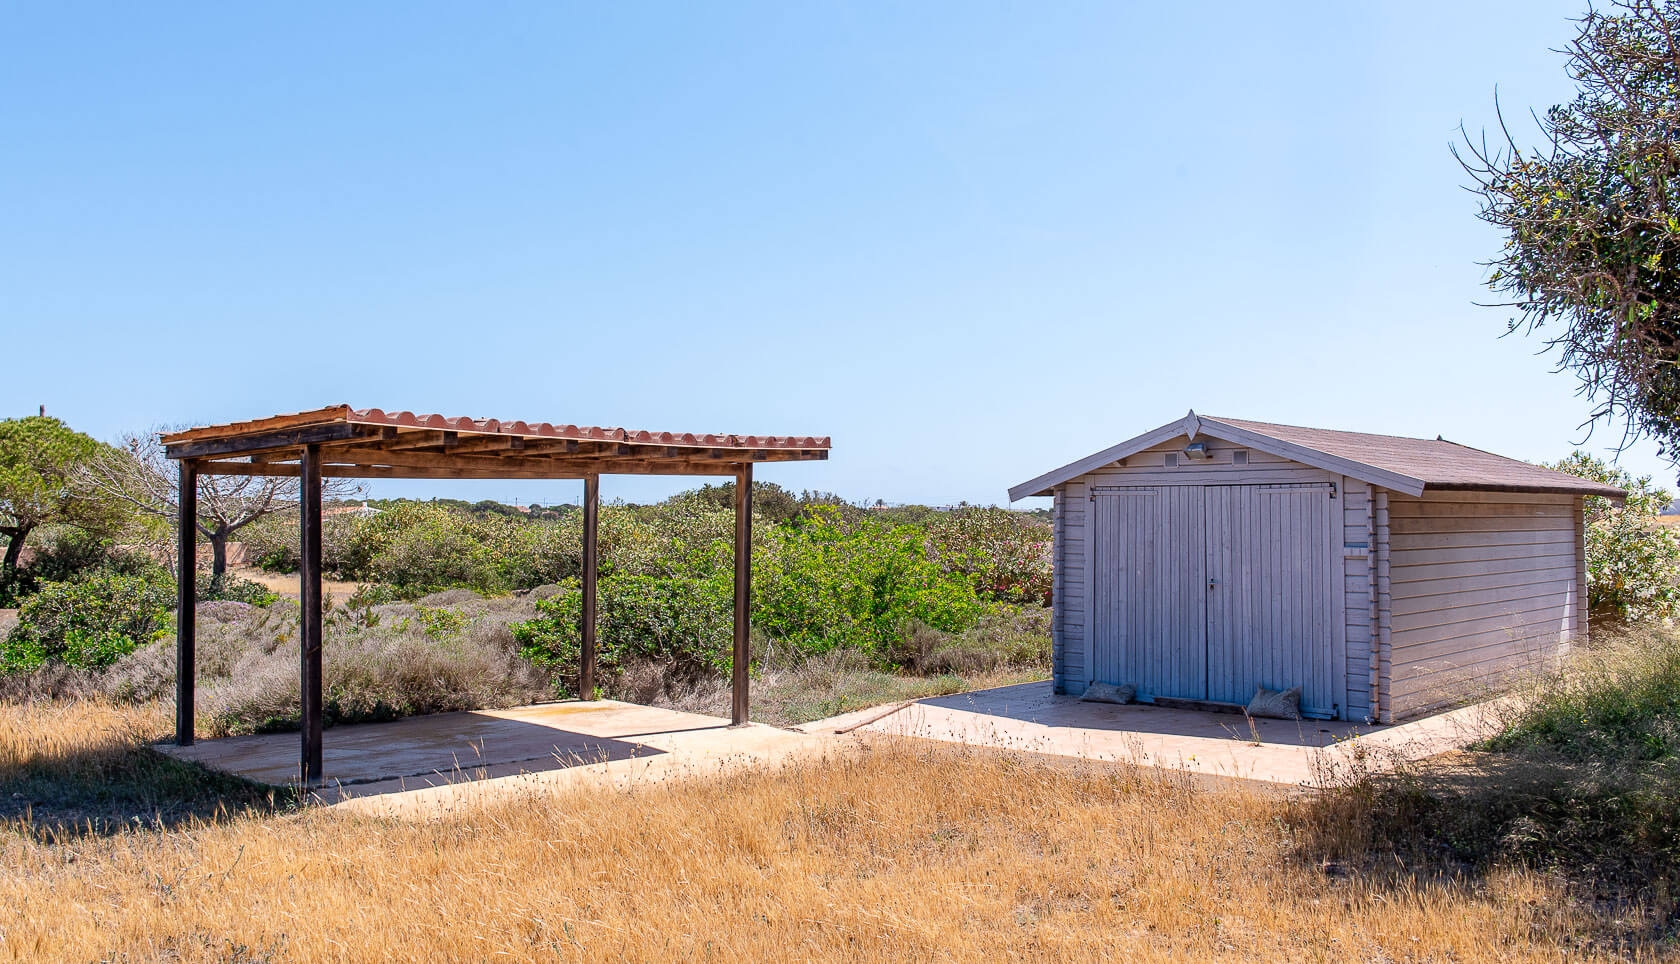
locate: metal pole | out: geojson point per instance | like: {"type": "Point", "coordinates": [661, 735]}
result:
{"type": "Point", "coordinates": [309, 601]}
{"type": "Point", "coordinates": [591, 561]}
{"type": "Point", "coordinates": [186, 601]}
{"type": "Point", "coordinates": [743, 594]}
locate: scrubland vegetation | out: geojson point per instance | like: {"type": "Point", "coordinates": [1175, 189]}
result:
{"type": "Point", "coordinates": [472, 606]}
{"type": "Point", "coordinates": [1557, 838]}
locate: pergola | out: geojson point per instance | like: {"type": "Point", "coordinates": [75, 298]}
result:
{"type": "Point", "coordinates": [345, 442]}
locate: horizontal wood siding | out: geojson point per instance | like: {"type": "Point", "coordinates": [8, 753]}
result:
{"type": "Point", "coordinates": [1357, 560]}
{"type": "Point", "coordinates": [1069, 665]}
{"type": "Point", "coordinates": [1482, 584]}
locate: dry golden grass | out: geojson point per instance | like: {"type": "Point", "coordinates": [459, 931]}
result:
{"type": "Point", "coordinates": [898, 850]}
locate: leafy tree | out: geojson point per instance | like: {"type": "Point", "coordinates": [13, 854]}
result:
{"type": "Point", "coordinates": [39, 457]}
{"type": "Point", "coordinates": [1592, 218]}
{"type": "Point", "coordinates": [1633, 560]}
{"type": "Point", "coordinates": [141, 476]}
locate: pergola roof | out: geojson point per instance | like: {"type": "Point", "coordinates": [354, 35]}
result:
{"type": "Point", "coordinates": [373, 443]}
{"type": "Point", "coordinates": [368, 443]}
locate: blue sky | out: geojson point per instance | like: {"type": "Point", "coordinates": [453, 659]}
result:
{"type": "Point", "coordinates": [969, 241]}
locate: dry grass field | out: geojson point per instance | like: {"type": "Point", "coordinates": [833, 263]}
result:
{"type": "Point", "coordinates": [887, 851]}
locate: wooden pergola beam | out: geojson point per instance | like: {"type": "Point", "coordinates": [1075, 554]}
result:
{"type": "Point", "coordinates": [264, 441]}
{"type": "Point", "coordinates": [186, 602]}
{"type": "Point", "coordinates": [574, 470]}
{"type": "Point", "coordinates": [309, 618]}
{"type": "Point", "coordinates": [739, 655]}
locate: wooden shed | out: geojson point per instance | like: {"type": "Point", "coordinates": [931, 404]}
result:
{"type": "Point", "coordinates": [1385, 576]}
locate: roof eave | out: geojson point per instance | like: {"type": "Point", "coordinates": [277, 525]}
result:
{"type": "Point", "coordinates": [1603, 492]}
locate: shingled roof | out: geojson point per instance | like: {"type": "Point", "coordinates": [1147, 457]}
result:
{"type": "Point", "coordinates": [1408, 465]}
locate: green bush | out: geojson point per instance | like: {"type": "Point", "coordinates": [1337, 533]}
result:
{"type": "Point", "coordinates": [822, 583]}
{"type": "Point", "coordinates": [69, 554]}
{"type": "Point", "coordinates": [1007, 554]}
{"type": "Point", "coordinates": [232, 588]}
{"type": "Point", "coordinates": [420, 548]}
{"type": "Point", "coordinates": [684, 623]}
{"type": "Point", "coordinates": [1633, 560]}
{"type": "Point", "coordinates": [87, 624]}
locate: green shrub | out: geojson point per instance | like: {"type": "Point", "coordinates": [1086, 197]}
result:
{"type": "Point", "coordinates": [684, 623]}
{"type": "Point", "coordinates": [420, 548]}
{"type": "Point", "coordinates": [69, 554]}
{"type": "Point", "coordinates": [87, 624]}
{"type": "Point", "coordinates": [1633, 560]}
{"type": "Point", "coordinates": [231, 588]}
{"type": "Point", "coordinates": [822, 583]}
{"type": "Point", "coordinates": [1007, 554]}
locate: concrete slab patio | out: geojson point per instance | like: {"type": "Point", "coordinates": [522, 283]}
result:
{"type": "Point", "coordinates": [1028, 717]}
{"type": "Point", "coordinates": [436, 762]}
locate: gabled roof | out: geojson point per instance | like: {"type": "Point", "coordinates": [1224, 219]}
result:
{"type": "Point", "coordinates": [1408, 465]}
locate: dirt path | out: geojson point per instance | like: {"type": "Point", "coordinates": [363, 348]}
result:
{"type": "Point", "coordinates": [287, 584]}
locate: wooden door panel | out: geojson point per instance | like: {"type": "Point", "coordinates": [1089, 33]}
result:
{"type": "Point", "coordinates": [1270, 609]}
{"type": "Point", "coordinates": [1149, 554]}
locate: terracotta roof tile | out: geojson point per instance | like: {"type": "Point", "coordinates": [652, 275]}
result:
{"type": "Point", "coordinates": [492, 426]}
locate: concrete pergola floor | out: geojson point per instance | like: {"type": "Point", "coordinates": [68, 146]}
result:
{"type": "Point", "coordinates": [1030, 718]}
{"type": "Point", "coordinates": [438, 762]}
{"type": "Point", "coordinates": [434, 764]}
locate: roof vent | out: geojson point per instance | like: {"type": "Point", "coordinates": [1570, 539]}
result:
{"type": "Point", "coordinates": [1196, 452]}
{"type": "Point", "coordinates": [1172, 460]}
{"type": "Point", "coordinates": [1239, 457]}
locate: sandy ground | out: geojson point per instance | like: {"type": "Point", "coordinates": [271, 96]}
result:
{"type": "Point", "coordinates": [287, 585]}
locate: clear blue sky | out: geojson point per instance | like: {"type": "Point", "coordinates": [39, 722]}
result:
{"type": "Point", "coordinates": [969, 241]}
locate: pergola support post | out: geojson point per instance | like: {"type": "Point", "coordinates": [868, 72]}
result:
{"type": "Point", "coordinates": [309, 601]}
{"type": "Point", "coordinates": [743, 595]}
{"type": "Point", "coordinates": [591, 565]}
{"type": "Point", "coordinates": [186, 603]}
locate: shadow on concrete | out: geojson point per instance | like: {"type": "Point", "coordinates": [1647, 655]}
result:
{"type": "Point", "coordinates": [1035, 703]}
{"type": "Point", "coordinates": [415, 752]}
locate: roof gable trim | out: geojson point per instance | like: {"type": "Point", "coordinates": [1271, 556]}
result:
{"type": "Point", "coordinates": [1192, 425]}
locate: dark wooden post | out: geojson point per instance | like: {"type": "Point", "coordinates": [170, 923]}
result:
{"type": "Point", "coordinates": [586, 652]}
{"type": "Point", "coordinates": [309, 602]}
{"type": "Point", "coordinates": [743, 594]}
{"type": "Point", "coordinates": [186, 603]}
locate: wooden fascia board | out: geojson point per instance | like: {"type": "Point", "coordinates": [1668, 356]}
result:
{"type": "Point", "coordinates": [263, 441]}
{"type": "Point", "coordinates": [1369, 474]}
{"type": "Point", "coordinates": [1073, 470]}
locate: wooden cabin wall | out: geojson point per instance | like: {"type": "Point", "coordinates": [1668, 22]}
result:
{"type": "Point", "coordinates": [1483, 583]}
{"type": "Point", "coordinates": [1069, 654]}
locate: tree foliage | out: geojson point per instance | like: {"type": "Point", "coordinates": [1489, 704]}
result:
{"type": "Point", "coordinates": [1633, 560]}
{"type": "Point", "coordinates": [1592, 218]}
{"type": "Point", "coordinates": [39, 457]}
